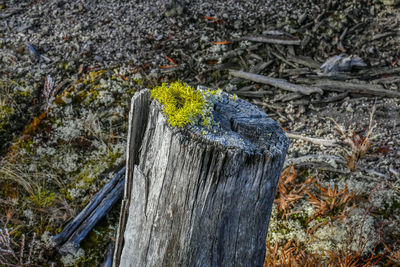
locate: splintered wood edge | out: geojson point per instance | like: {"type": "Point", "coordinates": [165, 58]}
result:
{"type": "Point", "coordinates": [138, 115]}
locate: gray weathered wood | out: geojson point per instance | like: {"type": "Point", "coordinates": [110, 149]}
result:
{"type": "Point", "coordinates": [203, 199]}
{"type": "Point", "coordinates": [137, 122]}
{"type": "Point", "coordinates": [272, 40]}
{"type": "Point", "coordinates": [365, 89]}
{"type": "Point", "coordinates": [80, 226]}
{"type": "Point", "coordinates": [279, 83]}
{"type": "Point", "coordinates": [91, 219]}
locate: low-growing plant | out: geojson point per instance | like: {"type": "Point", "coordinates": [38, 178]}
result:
{"type": "Point", "coordinates": [12, 253]}
{"type": "Point", "coordinates": [289, 191]}
{"type": "Point", "coordinates": [359, 144]}
{"type": "Point", "coordinates": [299, 237]}
{"type": "Point", "coordinates": [330, 200]}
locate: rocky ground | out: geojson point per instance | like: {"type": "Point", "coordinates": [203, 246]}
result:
{"type": "Point", "coordinates": [339, 197]}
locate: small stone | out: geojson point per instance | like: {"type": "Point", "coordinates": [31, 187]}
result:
{"type": "Point", "coordinates": [98, 58]}
{"type": "Point", "coordinates": [391, 2]}
{"type": "Point", "coordinates": [78, 27]}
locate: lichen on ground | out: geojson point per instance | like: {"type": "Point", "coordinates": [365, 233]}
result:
{"type": "Point", "coordinates": [64, 156]}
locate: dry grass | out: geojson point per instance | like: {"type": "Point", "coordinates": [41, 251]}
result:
{"type": "Point", "coordinates": [290, 254]}
{"type": "Point", "coordinates": [13, 173]}
{"type": "Point", "coordinates": [331, 200]}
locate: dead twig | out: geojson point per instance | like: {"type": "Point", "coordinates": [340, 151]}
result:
{"type": "Point", "coordinates": [279, 83]}
{"type": "Point", "coordinates": [283, 59]}
{"type": "Point", "coordinates": [252, 94]}
{"type": "Point", "coordinates": [358, 144]}
{"type": "Point", "coordinates": [334, 98]}
{"type": "Point", "coordinates": [365, 89]}
{"type": "Point", "coordinates": [382, 35]}
{"type": "Point", "coordinates": [8, 254]}
{"type": "Point", "coordinates": [271, 40]}
{"type": "Point", "coordinates": [323, 160]}
{"type": "Point", "coordinates": [305, 61]}
{"type": "Point", "coordinates": [317, 141]}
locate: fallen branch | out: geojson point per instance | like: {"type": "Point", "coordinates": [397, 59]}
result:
{"type": "Point", "coordinates": [305, 61]}
{"type": "Point", "coordinates": [334, 98]}
{"type": "Point", "coordinates": [387, 80]}
{"type": "Point", "coordinates": [279, 83]}
{"type": "Point", "coordinates": [382, 35]}
{"type": "Point", "coordinates": [80, 226]}
{"type": "Point", "coordinates": [287, 97]}
{"type": "Point", "coordinates": [251, 94]}
{"type": "Point", "coordinates": [322, 160]}
{"type": "Point", "coordinates": [270, 40]}
{"type": "Point", "coordinates": [371, 73]}
{"type": "Point", "coordinates": [260, 66]}
{"type": "Point", "coordinates": [297, 71]}
{"type": "Point", "coordinates": [283, 59]}
{"type": "Point", "coordinates": [317, 141]}
{"type": "Point", "coordinates": [366, 89]}
{"type": "Point", "coordinates": [230, 54]}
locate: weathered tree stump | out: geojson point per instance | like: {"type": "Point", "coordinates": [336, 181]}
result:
{"type": "Point", "coordinates": [195, 199]}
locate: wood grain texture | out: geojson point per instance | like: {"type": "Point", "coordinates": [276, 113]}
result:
{"type": "Point", "coordinates": [204, 200]}
{"type": "Point", "coordinates": [138, 116]}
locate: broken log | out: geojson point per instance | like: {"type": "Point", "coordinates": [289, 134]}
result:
{"type": "Point", "coordinates": [76, 230]}
{"type": "Point", "coordinates": [199, 197]}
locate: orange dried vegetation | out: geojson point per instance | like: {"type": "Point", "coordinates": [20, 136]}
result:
{"type": "Point", "coordinates": [288, 191]}
{"type": "Point", "coordinates": [330, 201]}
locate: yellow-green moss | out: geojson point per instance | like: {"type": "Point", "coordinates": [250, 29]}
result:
{"type": "Point", "coordinates": [138, 81]}
{"type": "Point", "coordinates": [182, 104]}
{"type": "Point", "coordinates": [5, 114]}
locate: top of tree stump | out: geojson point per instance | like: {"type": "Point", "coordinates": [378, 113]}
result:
{"type": "Point", "coordinates": [243, 126]}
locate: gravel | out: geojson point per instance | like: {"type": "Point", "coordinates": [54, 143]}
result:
{"type": "Point", "coordinates": [112, 32]}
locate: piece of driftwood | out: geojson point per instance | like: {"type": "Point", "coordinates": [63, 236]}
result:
{"type": "Point", "coordinates": [201, 197]}
{"type": "Point", "coordinates": [272, 40]}
{"type": "Point", "coordinates": [279, 83]}
{"type": "Point", "coordinates": [355, 88]}
{"type": "Point", "coordinates": [76, 230]}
